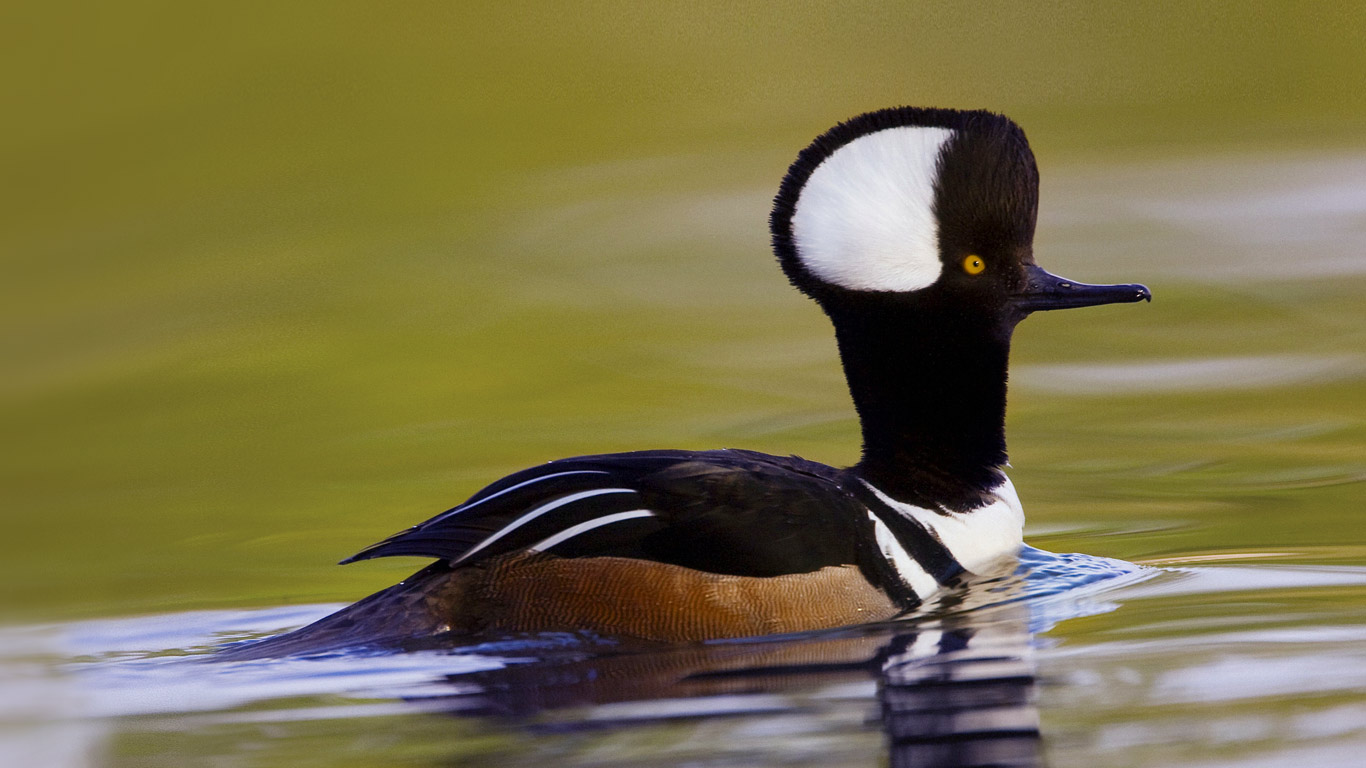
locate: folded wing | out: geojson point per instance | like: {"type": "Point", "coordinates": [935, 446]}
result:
{"type": "Point", "coordinates": [732, 512]}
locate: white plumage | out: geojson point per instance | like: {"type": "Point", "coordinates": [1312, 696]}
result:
{"type": "Point", "coordinates": [865, 219]}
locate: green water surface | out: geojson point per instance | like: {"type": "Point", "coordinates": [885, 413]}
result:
{"type": "Point", "coordinates": [285, 279]}
{"type": "Point", "coordinates": [281, 279]}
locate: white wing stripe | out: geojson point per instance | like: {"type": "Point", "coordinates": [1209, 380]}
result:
{"type": "Point", "coordinates": [573, 531]}
{"type": "Point", "coordinates": [537, 512]}
{"type": "Point", "coordinates": [510, 489]}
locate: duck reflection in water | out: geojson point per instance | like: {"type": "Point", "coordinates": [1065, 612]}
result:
{"type": "Point", "coordinates": [958, 690]}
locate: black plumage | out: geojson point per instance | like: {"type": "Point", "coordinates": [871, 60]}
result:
{"type": "Point", "coordinates": [731, 512]}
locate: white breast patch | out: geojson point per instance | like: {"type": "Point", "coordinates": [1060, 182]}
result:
{"type": "Point", "coordinates": [976, 539]}
{"type": "Point", "coordinates": [912, 573]}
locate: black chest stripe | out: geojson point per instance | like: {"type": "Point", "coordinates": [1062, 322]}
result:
{"type": "Point", "coordinates": [918, 541]}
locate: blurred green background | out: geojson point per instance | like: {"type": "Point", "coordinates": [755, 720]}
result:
{"type": "Point", "coordinates": [283, 278]}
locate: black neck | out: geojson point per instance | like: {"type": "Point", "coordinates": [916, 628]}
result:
{"type": "Point", "coordinates": [931, 404]}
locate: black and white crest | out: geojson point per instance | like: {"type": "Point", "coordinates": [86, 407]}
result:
{"type": "Point", "coordinates": [887, 201]}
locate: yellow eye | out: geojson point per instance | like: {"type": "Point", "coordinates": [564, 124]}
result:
{"type": "Point", "coordinates": [974, 265]}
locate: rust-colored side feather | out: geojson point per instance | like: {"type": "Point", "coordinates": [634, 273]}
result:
{"type": "Point", "coordinates": [530, 592]}
{"type": "Point", "coordinates": [658, 601]}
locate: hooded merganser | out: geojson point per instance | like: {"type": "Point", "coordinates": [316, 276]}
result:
{"type": "Point", "coordinates": [913, 229]}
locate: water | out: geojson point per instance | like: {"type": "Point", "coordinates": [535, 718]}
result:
{"type": "Point", "coordinates": [282, 282]}
{"type": "Point", "coordinates": [1215, 438]}
{"type": "Point", "coordinates": [1158, 678]}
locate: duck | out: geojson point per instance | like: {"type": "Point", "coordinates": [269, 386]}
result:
{"type": "Point", "coordinates": [912, 229]}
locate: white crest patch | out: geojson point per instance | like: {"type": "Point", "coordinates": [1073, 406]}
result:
{"type": "Point", "coordinates": [864, 220]}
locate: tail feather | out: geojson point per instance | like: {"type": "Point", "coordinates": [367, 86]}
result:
{"type": "Point", "coordinates": [419, 606]}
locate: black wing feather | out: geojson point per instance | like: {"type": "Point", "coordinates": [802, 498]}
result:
{"type": "Point", "coordinates": [453, 533]}
{"type": "Point", "coordinates": [729, 511]}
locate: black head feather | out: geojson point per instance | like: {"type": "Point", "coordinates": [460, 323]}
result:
{"type": "Point", "coordinates": [986, 190]}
